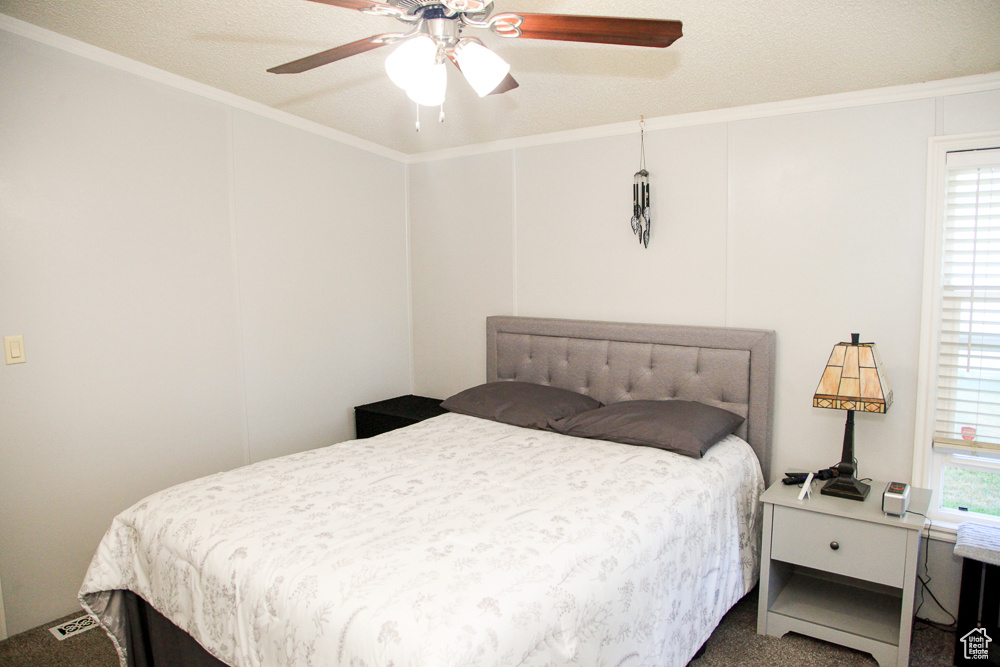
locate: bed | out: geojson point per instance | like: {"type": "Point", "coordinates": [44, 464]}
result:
{"type": "Point", "coordinates": [462, 540]}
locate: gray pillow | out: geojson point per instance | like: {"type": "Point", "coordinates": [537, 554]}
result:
{"type": "Point", "coordinates": [685, 427]}
{"type": "Point", "coordinates": [520, 403]}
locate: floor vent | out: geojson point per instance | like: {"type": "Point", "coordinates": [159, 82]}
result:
{"type": "Point", "coordinates": [74, 627]}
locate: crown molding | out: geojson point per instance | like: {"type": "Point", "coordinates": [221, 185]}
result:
{"type": "Point", "coordinates": [915, 91]}
{"type": "Point", "coordinates": [96, 54]}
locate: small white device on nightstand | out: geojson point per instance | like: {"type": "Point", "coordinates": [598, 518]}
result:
{"type": "Point", "coordinates": [806, 491]}
{"type": "Point", "coordinates": [896, 498]}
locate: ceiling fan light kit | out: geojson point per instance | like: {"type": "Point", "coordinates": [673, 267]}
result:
{"type": "Point", "coordinates": [483, 69]}
{"type": "Point", "coordinates": [417, 65]}
{"type": "Point", "coordinates": [408, 57]}
{"type": "Point", "coordinates": [428, 86]}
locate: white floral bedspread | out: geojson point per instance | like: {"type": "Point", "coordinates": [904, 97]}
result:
{"type": "Point", "coordinates": [456, 541]}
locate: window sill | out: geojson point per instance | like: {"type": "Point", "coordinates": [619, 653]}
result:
{"type": "Point", "coordinates": [947, 531]}
{"type": "Point", "coordinates": [942, 531]}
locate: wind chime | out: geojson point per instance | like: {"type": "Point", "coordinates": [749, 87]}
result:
{"type": "Point", "coordinates": [640, 191]}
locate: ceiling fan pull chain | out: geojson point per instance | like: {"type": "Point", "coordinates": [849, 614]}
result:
{"type": "Point", "coordinates": [441, 114]}
{"type": "Point", "coordinates": [416, 114]}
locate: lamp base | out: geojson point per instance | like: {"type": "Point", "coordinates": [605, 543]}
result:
{"type": "Point", "coordinates": [846, 487]}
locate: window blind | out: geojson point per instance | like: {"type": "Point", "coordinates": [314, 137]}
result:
{"type": "Point", "coordinates": [968, 383]}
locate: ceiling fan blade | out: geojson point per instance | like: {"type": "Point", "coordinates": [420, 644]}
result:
{"type": "Point", "coordinates": [355, 4]}
{"type": "Point", "coordinates": [507, 84]}
{"type": "Point", "coordinates": [601, 29]}
{"type": "Point", "coordinates": [330, 55]}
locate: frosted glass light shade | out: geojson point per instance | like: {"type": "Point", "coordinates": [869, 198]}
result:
{"type": "Point", "coordinates": [413, 55]}
{"type": "Point", "coordinates": [427, 85]}
{"type": "Point", "coordinates": [483, 69]}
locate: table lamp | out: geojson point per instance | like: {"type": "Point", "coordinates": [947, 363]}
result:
{"type": "Point", "coordinates": [854, 379]}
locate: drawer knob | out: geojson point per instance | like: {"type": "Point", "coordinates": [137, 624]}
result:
{"type": "Point", "coordinates": [834, 545]}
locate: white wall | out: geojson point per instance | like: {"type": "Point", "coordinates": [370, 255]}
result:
{"type": "Point", "coordinates": [809, 223]}
{"type": "Point", "coordinates": [942, 569]}
{"type": "Point", "coordinates": [197, 287]}
{"type": "Point", "coordinates": [462, 266]}
{"type": "Point", "coordinates": [827, 238]}
{"type": "Point", "coordinates": [576, 253]}
{"type": "Point", "coordinates": [323, 284]}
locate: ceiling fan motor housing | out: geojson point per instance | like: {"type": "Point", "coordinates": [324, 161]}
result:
{"type": "Point", "coordinates": [443, 29]}
{"type": "Point", "coordinates": [477, 9]}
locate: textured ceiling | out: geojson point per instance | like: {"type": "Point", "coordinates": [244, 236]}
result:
{"type": "Point", "coordinates": [733, 53]}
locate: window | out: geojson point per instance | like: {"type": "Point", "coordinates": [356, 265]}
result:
{"type": "Point", "coordinates": [958, 430]}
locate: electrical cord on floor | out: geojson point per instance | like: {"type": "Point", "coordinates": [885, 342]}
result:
{"type": "Point", "coordinates": [925, 585]}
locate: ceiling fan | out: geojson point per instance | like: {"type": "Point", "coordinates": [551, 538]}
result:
{"type": "Point", "coordinates": [437, 34]}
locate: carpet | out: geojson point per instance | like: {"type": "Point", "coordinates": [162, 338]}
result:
{"type": "Point", "coordinates": [734, 642]}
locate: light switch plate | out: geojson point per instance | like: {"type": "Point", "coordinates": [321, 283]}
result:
{"type": "Point", "coordinates": [13, 349]}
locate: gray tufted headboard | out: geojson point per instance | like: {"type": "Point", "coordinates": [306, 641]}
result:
{"type": "Point", "coordinates": [730, 368]}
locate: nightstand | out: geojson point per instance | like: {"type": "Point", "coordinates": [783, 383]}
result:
{"type": "Point", "coordinates": [840, 570]}
{"type": "Point", "coordinates": [394, 413]}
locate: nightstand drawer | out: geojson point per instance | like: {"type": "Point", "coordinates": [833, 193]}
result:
{"type": "Point", "coordinates": [864, 550]}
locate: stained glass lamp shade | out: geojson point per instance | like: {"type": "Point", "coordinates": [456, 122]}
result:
{"type": "Point", "coordinates": [854, 379]}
